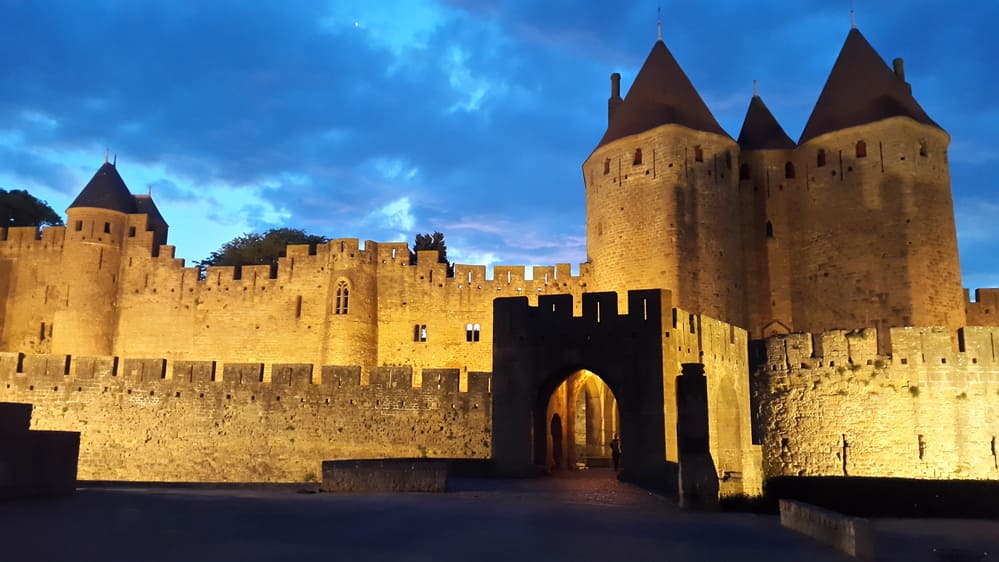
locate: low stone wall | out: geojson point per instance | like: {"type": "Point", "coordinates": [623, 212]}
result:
{"type": "Point", "coordinates": [850, 535]}
{"type": "Point", "coordinates": [385, 475]}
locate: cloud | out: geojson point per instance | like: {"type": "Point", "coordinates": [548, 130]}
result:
{"type": "Point", "coordinates": [396, 215]}
{"type": "Point", "coordinates": [475, 114]}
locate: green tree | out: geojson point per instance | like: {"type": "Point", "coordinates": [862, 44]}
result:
{"type": "Point", "coordinates": [20, 208]}
{"type": "Point", "coordinates": [433, 241]}
{"type": "Point", "coordinates": [260, 248]}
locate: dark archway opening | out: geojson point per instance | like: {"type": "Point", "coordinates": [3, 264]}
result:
{"type": "Point", "coordinates": [575, 422]}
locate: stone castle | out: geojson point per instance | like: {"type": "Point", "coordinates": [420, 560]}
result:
{"type": "Point", "coordinates": [809, 293]}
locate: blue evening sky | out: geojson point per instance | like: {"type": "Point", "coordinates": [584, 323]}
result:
{"type": "Point", "coordinates": [378, 120]}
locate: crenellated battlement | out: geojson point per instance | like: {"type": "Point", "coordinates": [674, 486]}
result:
{"type": "Point", "coordinates": [910, 346]}
{"type": "Point", "coordinates": [155, 418]}
{"type": "Point", "coordinates": [26, 238]}
{"type": "Point", "coordinates": [829, 404]}
{"type": "Point", "coordinates": [53, 368]}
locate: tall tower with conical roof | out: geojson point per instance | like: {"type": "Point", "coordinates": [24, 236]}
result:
{"type": "Point", "coordinates": [874, 238]}
{"type": "Point", "coordinates": [767, 174]}
{"type": "Point", "coordinates": [661, 201]}
{"type": "Point", "coordinates": [104, 223]}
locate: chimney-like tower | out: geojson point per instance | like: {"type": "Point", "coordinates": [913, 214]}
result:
{"type": "Point", "coordinates": [615, 97]}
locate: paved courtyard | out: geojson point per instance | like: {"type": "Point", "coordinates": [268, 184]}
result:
{"type": "Point", "coordinates": [588, 516]}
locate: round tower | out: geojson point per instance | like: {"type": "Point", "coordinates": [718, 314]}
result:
{"type": "Point", "coordinates": [768, 180]}
{"type": "Point", "coordinates": [661, 196]}
{"type": "Point", "coordinates": [91, 261]}
{"type": "Point", "coordinates": [876, 242]}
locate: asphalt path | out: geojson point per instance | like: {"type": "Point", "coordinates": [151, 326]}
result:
{"type": "Point", "coordinates": [585, 516]}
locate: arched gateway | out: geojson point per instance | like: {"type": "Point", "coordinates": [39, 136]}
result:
{"type": "Point", "coordinates": [536, 348]}
{"type": "Point", "coordinates": [652, 360]}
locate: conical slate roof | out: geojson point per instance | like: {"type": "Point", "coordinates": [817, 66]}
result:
{"type": "Point", "coordinates": [661, 94]}
{"type": "Point", "coordinates": [106, 190]}
{"type": "Point", "coordinates": [144, 205]}
{"type": "Point", "coordinates": [861, 89]}
{"type": "Point", "coordinates": [760, 130]}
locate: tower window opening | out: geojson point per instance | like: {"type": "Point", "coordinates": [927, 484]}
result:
{"type": "Point", "coordinates": [789, 171]}
{"type": "Point", "coordinates": [638, 157]}
{"type": "Point", "coordinates": [342, 298]}
{"type": "Point", "coordinates": [861, 149]}
{"type": "Point", "coordinates": [728, 160]}
{"type": "Point", "coordinates": [107, 228]}
{"type": "Point", "coordinates": [420, 333]}
{"type": "Point", "coordinates": [698, 154]}
{"type": "Point", "coordinates": [744, 172]}
{"type": "Point", "coordinates": [131, 232]}
{"type": "Point", "coordinates": [41, 334]}
{"type": "Point", "coordinates": [770, 229]}
{"type": "Point", "coordinates": [472, 332]}
{"type": "Point", "coordinates": [78, 226]}
{"type": "Point", "coordinates": [922, 148]}
{"type": "Point", "coordinates": [820, 158]}
{"type": "Point", "coordinates": [606, 166]}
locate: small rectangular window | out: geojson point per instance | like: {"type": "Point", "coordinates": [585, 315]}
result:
{"type": "Point", "coordinates": [472, 332]}
{"type": "Point", "coordinates": [131, 232]}
{"type": "Point", "coordinates": [107, 228]}
{"type": "Point", "coordinates": [420, 333]}
{"type": "Point", "coordinates": [78, 226]}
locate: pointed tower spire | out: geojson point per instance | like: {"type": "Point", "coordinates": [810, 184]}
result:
{"type": "Point", "coordinates": [659, 24]}
{"type": "Point", "coordinates": [760, 129]}
{"type": "Point", "coordinates": [861, 89]}
{"type": "Point", "coordinates": [106, 190]}
{"type": "Point", "coordinates": [660, 95]}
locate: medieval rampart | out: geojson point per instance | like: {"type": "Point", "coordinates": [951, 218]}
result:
{"type": "Point", "coordinates": [165, 420]}
{"type": "Point", "coordinates": [831, 405]}
{"type": "Point", "coordinates": [984, 310]}
{"type": "Point", "coordinates": [338, 303]}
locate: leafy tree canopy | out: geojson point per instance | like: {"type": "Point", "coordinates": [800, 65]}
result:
{"type": "Point", "coordinates": [260, 248]}
{"type": "Point", "coordinates": [433, 241]}
{"type": "Point", "coordinates": [20, 208]}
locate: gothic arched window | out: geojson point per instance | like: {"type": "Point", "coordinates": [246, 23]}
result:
{"type": "Point", "coordinates": [342, 298]}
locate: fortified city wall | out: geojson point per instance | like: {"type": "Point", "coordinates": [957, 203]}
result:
{"type": "Point", "coordinates": [830, 405]}
{"type": "Point", "coordinates": [395, 313]}
{"type": "Point", "coordinates": [206, 421]}
{"type": "Point", "coordinates": [984, 310]}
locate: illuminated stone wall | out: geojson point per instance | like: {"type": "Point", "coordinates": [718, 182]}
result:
{"type": "Point", "coordinates": [862, 234]}
{"type": "Point", "coordinates": [830, 405]}
{"type": "Point", "coordinates": [160, 420]}
{"type": "Point", "coordinates": [63, 293]}
{"type": "Point", "coordinates": [667, 219]}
